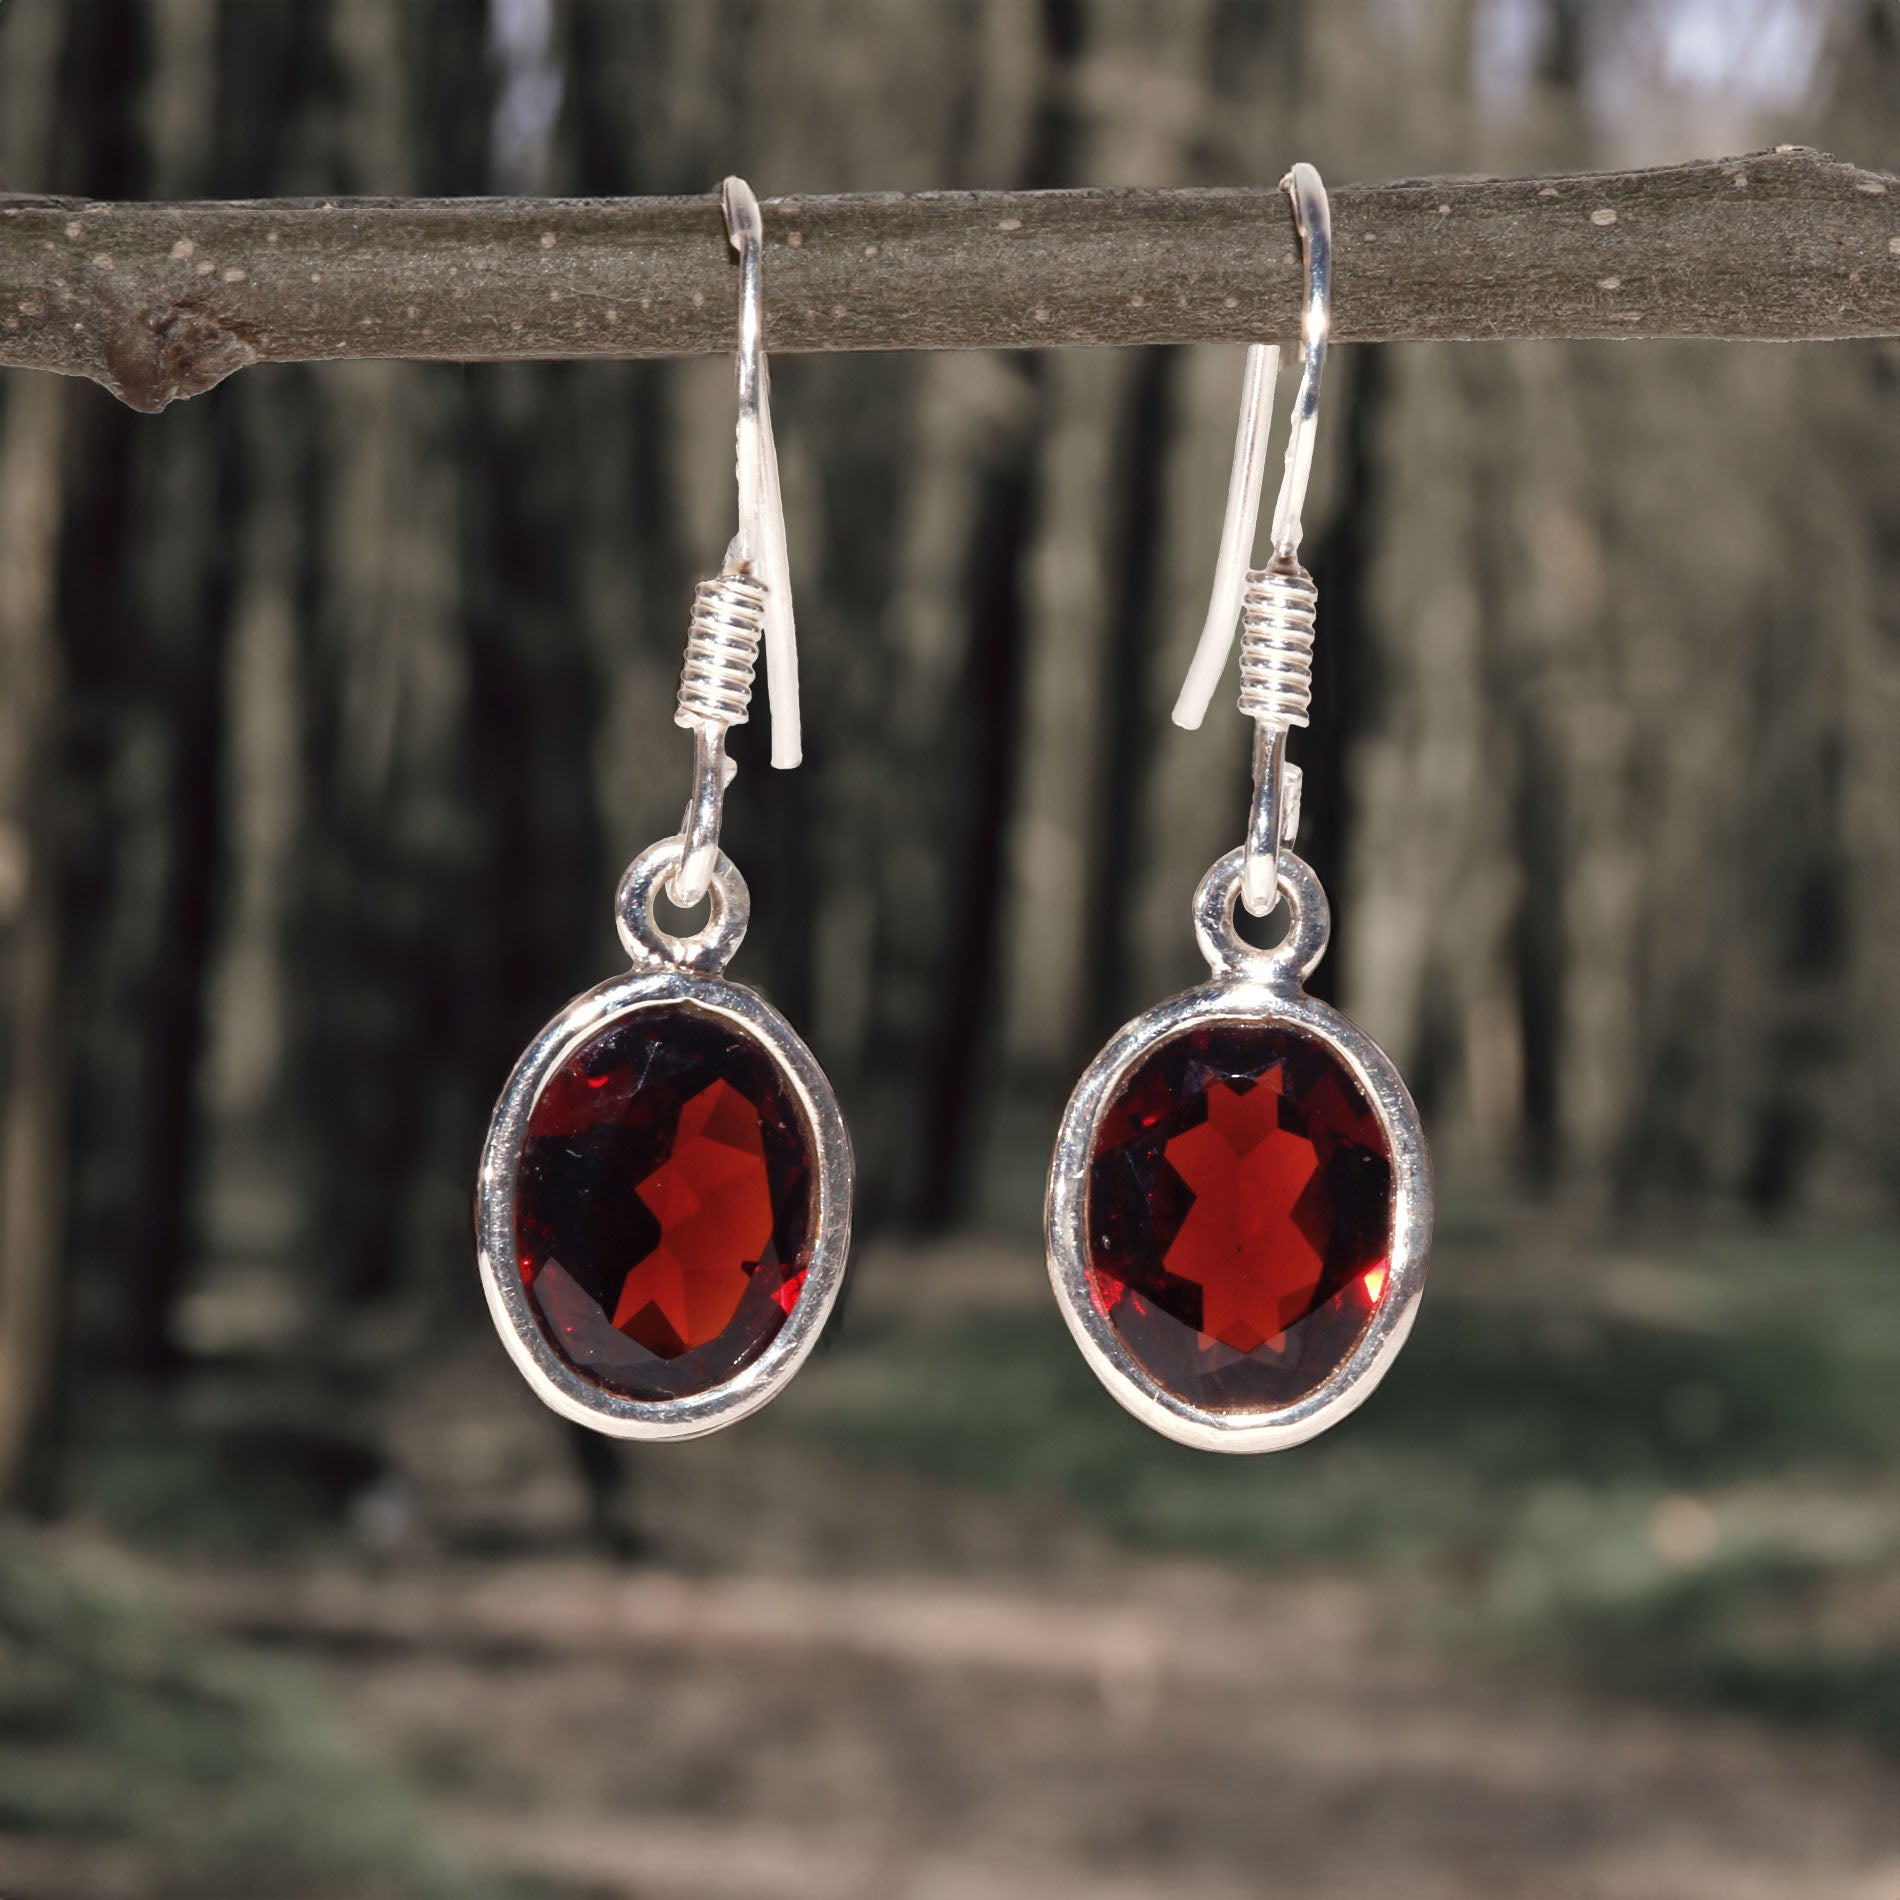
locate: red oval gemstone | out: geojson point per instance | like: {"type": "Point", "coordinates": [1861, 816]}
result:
{"type": "Point", "coordinates": [1239, 1215]}
{"type": "Point", "coordinates": [665, 1203]}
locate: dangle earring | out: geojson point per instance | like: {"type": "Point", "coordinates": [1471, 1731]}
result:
{"type": "Point", "coordinates": [664, 1207]}
{"type": "Point", "coordinates": [1240, 1203]}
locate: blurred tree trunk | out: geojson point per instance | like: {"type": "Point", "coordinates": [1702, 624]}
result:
{"type": "Point", "coordinates": [141, 620]}
{"type": "Point", "coordinates": [177, 599]}
{"type": "Point", "coordinates": [33, 1052]}
{"type": "Point", "coordinates": [1855, 1157]}
{"type": "Point", "coordinates": [382, 705]}
{"type": "Point", "coordinates": [1089, 605]}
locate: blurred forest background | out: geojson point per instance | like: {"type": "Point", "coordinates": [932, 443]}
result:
{"type": "Point", "coordinates": [332, 703]}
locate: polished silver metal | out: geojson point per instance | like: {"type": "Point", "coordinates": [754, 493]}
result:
{"type": "Point", "coordinates": [711, 947]}
{"type": "Point", "coordinates": [722, 647]}
{"type": "Point", "coordinates": [1290, 961]}
{"type": "Point", "coordinates": [747, 603]}
{"type": "Point", "coordinates": [1274, 605]}
{"type": "Point", "coordinates": [1313, 220]}
{"type": "Point", "coordinates": [759, 547]}
{"type": "Point", "coordinates": [1276, 689]}
{"type": "Point", "coordinates": [705, 813]}
{"type": "Point", "coordinates": [557, 1383]}
{"type": "Point", "coordinates": [1267, 815]}
{"type": "Point", "coordinates": [1250, 986]}
{"type": "Point", "coordinates": [1276, 646]}
{"type": "Point", "coordinates": [750, 599]}
{"type": "Point", "coordinates": [722, 652]}
{"type": "Point", "coordinates": [1313, 216]}
{"type": "Point", "coordinates": [1238, 526]}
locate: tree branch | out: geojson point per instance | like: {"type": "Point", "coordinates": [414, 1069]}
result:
{"type": "Point", "coordinates": [159, 301]}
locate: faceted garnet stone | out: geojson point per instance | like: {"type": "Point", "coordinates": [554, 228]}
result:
{"type": "Point", "coordinates": [665, 1203]}
{"type": "Point", "coordinates": [1239, 1215]}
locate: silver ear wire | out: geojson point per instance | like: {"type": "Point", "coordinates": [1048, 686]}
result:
{"type": "Point", "coordinates": [1274, 605]}
{"type": "Point", "coordinates": [749, 600]}
{"type": "Point", "coordinates": [1314, 219]}
{"type": "Point", "coordinates": [760, 543]}
{"type": "Point", "coordinates": [1238, 528]}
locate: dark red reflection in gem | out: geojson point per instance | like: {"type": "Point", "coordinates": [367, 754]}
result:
{"type": "Point", "coordinates": [664, 1204]}
{"type": "Point", "coordinates": [1239, 1215]}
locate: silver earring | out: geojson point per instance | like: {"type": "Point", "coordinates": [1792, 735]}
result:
{"type": "Point", "coordinates": [664, 1208]}
{"type": "Point", "coordinates": [1239, 1210]}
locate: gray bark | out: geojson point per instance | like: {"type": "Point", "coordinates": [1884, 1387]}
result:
{"type": "Point", "coordinates": [159, 301]}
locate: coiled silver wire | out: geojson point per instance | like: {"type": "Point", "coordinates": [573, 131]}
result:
{"type": "Point", "coordinates": [1276, 646]}
{"type": "Point", "coordinates": [722, 651]}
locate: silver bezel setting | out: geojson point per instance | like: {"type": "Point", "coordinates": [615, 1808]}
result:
{"type": "Point", "coordinates": [660, 984]}
{"type": "Point", "coordinates": [1250, 988]}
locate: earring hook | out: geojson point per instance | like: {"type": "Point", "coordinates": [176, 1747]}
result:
{"type": "Point", "coordinates": [1238, 527]}
{"type": "Point", "coordinates": [750, 601]}
{"type": "Point", "coordinates": [760, 542]}
{"type": "Point", "coordinates": [1313, 220]}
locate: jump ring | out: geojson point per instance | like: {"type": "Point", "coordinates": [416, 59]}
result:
{"type": "Point", "coordinates": [1229, 954]}
{"type": "Point", "coordinates": [710, 947]}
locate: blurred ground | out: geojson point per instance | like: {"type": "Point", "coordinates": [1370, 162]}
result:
{"type": "Point", "coordinates": [1597, 1598]}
